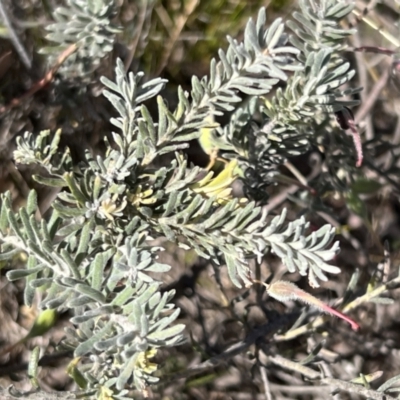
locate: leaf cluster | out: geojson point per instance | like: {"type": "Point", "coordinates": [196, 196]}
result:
{"type": "Point", "coordinates": [90, 26]}
{"type": "Point", "coordinates": [98, 252]}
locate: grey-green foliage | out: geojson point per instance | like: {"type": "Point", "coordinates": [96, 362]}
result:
{"type": "Point", "coordinates": [89, 25]}
{"type": "Point", "coordinates": [96, 253]}
{"type": "Point", "coordinates": [310, 93]}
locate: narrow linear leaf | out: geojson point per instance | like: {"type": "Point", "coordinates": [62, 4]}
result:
{"type": "Point", "coordinates": [88, 345]}
{"type": "Point", "coordinates": [90, 292]}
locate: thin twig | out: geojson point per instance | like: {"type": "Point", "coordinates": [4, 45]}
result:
{"type": "Point", "coordinates": [302, 179]}
{"type": "Point", "coordinates": [264, 377]}
{"type": "Point", "coordinates": [345, 119]}
{"type": "Point", "coordinates": [372, 96]}
{"type": "Point", "coordinates": [323, 392]}
{"type": "Point", "coordinates": [396, 135]}
{"type": "Point", "coordinates": [174, 36]}
{"type": "Point", "coordinates": [238, 348]}
{"type": "Point", "coordinates": [139, 27]}
{"type": "Point", "coordinates": [285, 193]}
{"type": "Point", "coordinates": [387, 35]}
{"type": "Point", "coordinates": [363, 77]}
{"type": "Point", "coordinates": [19, 47]}
{"type": "Point", "coordinates": [354, 388]}
{"type": "Point", "coordinates": [43, 82]}
{"type": "Point", "coordinates": [294, 367]}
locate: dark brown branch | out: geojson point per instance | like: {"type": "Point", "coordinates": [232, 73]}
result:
{"type": "Point", "coordinates": [43, 82]}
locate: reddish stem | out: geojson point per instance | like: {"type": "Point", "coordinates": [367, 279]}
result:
{"type": "Point", "coordinates": [43, 82]}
